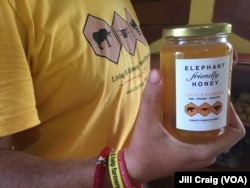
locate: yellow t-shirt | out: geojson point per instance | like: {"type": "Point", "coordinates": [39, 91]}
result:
{"type": "Point", "coordinates": [71, 75]}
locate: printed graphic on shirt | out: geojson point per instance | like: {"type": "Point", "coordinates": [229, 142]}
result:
{"type": "Point", "coordinates": [107, 40]}
{"type": "Point", "coordinates": [101, 37]}
{"type": "Point", "coordinates": [135, 29]}
{"type": "Point", "coordinates": [124, 34]}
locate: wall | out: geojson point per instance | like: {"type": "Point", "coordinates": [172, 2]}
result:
{"type": "Point", "coordinates": [202, 11]}
{"type": "Point", "coordinates": [154, 15]}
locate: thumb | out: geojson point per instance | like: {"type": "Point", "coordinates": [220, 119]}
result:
{"type": "Point", "coordinates": [152, 95]}
{"type": "Point", "coordinates": [145, 130]}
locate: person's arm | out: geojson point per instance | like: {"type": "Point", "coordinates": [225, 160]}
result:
{"type": "Point", "coordinates": [152, 154]}
{"type": "Point", "coordinates": [18, 169]}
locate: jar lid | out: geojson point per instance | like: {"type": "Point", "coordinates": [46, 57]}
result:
{"type": "Point", "coordinates": [197, 30]}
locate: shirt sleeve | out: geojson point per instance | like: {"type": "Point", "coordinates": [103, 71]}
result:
{"type": "Point", "coordinates": [17, 101]}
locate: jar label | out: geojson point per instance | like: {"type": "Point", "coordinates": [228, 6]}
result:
{"type": "Point", "coordinates": [202, 88]}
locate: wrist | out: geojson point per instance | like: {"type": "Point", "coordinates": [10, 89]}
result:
{"type": "Point", "coordinates": [107, 181]}
{"type": "Point", "coordinates": [111, 170]}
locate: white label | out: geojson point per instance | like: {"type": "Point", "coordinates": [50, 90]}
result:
{"type": "Point", "coordinates": [202, 93]}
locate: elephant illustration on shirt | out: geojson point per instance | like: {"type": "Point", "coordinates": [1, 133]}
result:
{"type": "Point", "coordinates": [101, 36]}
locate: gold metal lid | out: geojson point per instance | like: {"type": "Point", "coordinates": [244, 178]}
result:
{"type": "Point", "coordinates": [197, 30]}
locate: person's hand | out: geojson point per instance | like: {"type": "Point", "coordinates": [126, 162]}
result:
{"type": "Point", "coordinates": [153, 153]}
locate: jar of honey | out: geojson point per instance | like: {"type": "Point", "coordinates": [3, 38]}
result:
{"type": "Point", "coordinates": [196, 62]}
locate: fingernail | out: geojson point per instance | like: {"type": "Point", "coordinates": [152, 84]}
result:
{"type": "Point", "coordinates": [154, 76]}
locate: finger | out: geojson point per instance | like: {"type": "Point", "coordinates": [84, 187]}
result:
{"type": "Point", "coordinates": [235, 57]}
{"type": "Point", "coordinates": [235, 132]}
{"type": "Point", "coordinates": [151, 99]}
{"type": "Point", "coordinates": [234, 120]}
{"type": "Point", "coordinates": [235, 127]}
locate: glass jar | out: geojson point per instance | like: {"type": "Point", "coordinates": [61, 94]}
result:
{"type": "Point", "coordinates": [196, 62]}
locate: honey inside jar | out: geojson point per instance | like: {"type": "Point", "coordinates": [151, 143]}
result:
{"type": "Point", "coordinates": [195, 103]}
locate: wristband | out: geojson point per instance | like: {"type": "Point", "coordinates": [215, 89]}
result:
{"type": "Point", "coordinates": [100, 167]}
{"type": "Point", "coordinates": [114, 170]}
{"type": "Point", "coordinates": [125, 177]}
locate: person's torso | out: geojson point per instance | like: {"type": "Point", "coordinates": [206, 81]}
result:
{"type": "Point", "coordinates": [89, 62]}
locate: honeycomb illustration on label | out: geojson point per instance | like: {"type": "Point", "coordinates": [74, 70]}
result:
{"type": "Point", "coordinates": [191, 109]}
{"type": "Point", "coordinates": [204, 109]}
{"type": "Point", "coordinates": [217, 108]}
